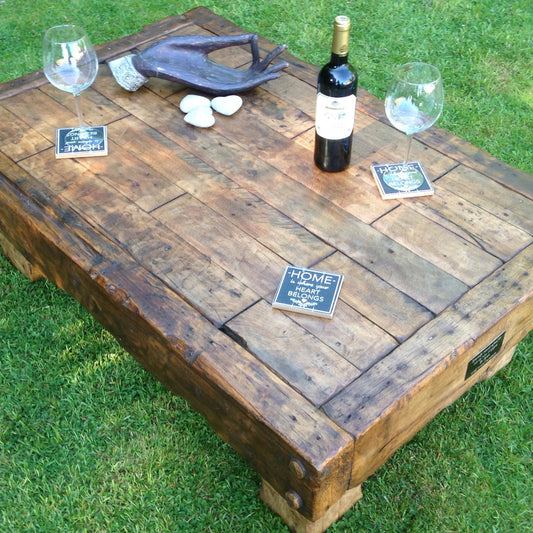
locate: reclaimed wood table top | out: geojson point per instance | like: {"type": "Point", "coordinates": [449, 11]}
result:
{"type": "Point", "coordinates": [177, 240]}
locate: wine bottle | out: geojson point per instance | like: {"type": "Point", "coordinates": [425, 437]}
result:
{"type": "Point", "coordinates": [335, 104]}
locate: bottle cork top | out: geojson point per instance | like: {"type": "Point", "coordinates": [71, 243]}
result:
{"type": "Point", "coordinates": [341, 28]}
{"type": "Point", "coordinates": [342, 22]}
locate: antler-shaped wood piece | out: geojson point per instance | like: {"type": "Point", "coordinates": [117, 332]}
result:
{"type": "Point", "coordinates": [185, 60]}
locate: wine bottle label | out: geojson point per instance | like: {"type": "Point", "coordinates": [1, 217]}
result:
{"type": "Point", "coordinates": [335, 116]}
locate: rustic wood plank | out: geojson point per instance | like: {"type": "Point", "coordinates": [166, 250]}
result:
{"type": "Point", "coordinates": [311, 367]}
{"type": "Point", "coordinates": [51, 114]}
{"type": "Point", "coordinates": [491, 196]}
{"type": "Point", "coordinates": [363, 193]}
{"type": "Point", "coordinates": [355, 190]}
{"type": "Point", "coordinates": [123, 172]}
{"type": "Point", "coordinates": [97, 110]}
{"type": "Point", "coordinates": [430, 367]}
{"type": "Point", "coordinates": [298, 93]}
{"type": "Point", "coordinates": [461, 216]}
{"type": "Point", "coordinates": [378, 301]}
{"type": "Point", "coordinates": [350, 334]}
{"type": "Point", "coordinates": [441, 247]}
{"type": "Point", "coordinates": [267, 225]}
{"type": "Point", "coordinates": [131, 177]}
{"type": "Point", "coordinates": [217, 238]}
{"type": "Point", "coordinates": [193, 275]}
{"type": "Point", "coordinates": [29, 81]}
{"type": "Point", "coordinates": [57, 109]}
{"type": "Point", "coordinates": [296, 160]}
{"type": "Point", "coordinates": [18, 139]}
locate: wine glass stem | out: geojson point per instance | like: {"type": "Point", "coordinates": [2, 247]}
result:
{"type": "Point", "coordinates": [408, 149]}
{"type": "Point", "coordinates": [78, 109]}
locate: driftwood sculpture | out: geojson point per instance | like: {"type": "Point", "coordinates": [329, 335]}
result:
{"type": "Point", "coordinates": [185, 60]}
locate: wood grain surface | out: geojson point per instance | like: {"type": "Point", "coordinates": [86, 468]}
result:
{"type": "Point", "coordinates": [177, 240]}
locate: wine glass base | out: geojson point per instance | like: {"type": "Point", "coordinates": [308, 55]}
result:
{"type": "Point", "coordinates": [402, 180]}
{"type": "Point", "coordinates": [83, 141]}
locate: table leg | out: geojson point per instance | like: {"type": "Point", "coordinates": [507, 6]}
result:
{"type": "Point", "coordinates": [32, 272]}
{"type": "Point", "coordinates": [298, 523]}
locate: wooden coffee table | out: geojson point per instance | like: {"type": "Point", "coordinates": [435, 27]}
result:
{"type": "Point", "coordinates": [177, 240]}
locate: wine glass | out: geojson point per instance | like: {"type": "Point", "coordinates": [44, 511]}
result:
{"type": "Point", "coordinates": [414, 103]}
{"type": "Point", "coordinates": [70, 62]}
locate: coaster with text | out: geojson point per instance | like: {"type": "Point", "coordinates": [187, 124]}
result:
{"type": "Point", "coordinates": [402, 180]}
{"type": "Point", "coordinates": [88, 141]}
{"type": "Point", "coordinates": [312, 292]}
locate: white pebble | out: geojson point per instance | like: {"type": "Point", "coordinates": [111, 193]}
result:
{"type": "Point", "coordinates": [227, 105]}
{"type": "Point", "coordinates": [202, 117]}
{"type": "Point", "coordinates": [189, 102]}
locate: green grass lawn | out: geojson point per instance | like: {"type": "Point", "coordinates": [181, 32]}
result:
{"type": "Point", "coordinates": [89, 441]}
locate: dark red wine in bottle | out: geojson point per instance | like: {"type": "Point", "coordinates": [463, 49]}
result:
{"type": "Point", "coordinates": [335, 104]}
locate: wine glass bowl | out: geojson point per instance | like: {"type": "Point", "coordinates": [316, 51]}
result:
{"type": "Point", "coordinates": [415, 99]}
{"type": "Point", "coordinates": [69, 60]}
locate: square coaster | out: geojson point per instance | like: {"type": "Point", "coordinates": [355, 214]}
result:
{"type": "Point", "coordinates": [88, 141]}
{"type": "Point", "coordinates": [402, 180]}
{"type": "Point", "coordinates": [312, 292]}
